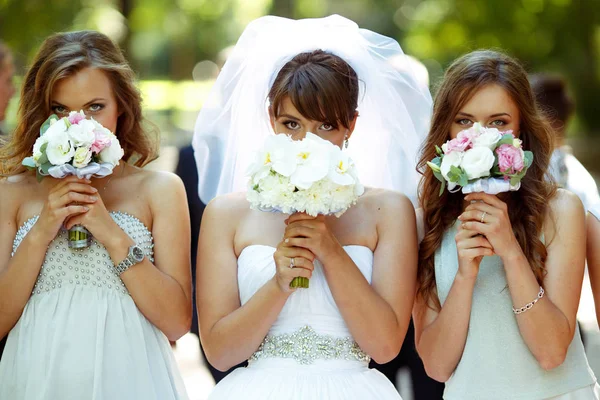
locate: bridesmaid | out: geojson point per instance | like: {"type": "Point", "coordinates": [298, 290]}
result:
{"type": "Point", "coordinates": [90, 323]}
{"type": "Point", "coordinates": [500, 276]}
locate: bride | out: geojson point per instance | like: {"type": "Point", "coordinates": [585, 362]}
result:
{"type": "Point", "coordinates": [328, 77]}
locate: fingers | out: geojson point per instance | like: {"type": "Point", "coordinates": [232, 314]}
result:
{"type": "Point", "coordinates": [72, 215]}
{"type": "Point", "coordinates": [487, 198]}
{"type": "Point", "coordinates": [476, 226]}
{"type": "Point", "coordinates": [74, 197]}
{"type": "Point", "coordinates": [478, 216]}
{"type": "Point", "coordinates": [299, 217]}
{"type": "Point", "coordinates": [290, 252]}
{"type": "Point", "coordinates": [475, 252]}
{"type": "Point", "coordinates": [463, 233]}
{"type": "Point", "coordinates": [473, 242]}
{"type": "Point", "coordinates": [297, 231]}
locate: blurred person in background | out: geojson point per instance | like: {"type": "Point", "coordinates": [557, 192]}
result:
{"type": "Point", "coordinates": [552, 97]}
{"type": "Point", "coordinates": [7, 88]}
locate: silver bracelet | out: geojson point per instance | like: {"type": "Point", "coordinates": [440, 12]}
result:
{"type": "Point", "coordinates": [529, 305]}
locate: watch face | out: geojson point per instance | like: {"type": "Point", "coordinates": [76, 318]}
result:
{"type": "Point", "coordinates": [138, 253]}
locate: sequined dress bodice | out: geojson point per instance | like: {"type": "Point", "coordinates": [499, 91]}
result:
{"type": "Point", "coordinates": [81, 335]}
{"type": "Point", "coordinates": [89, 267]}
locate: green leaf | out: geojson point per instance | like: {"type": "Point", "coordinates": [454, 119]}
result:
{"type": "Point", "coordinates": [506, 139]}
{"type": "Point", "coordinates": [463, 180]}
{"type": "Point", "coordinates": [434, 167]}
{"type": "Point", "coordinates": [29, 163]}
{"type": "Point", "coordinates": [439, 176]}
{"type": "Point", "coordinates": [47, 123]}
{"type": "Point", "coordinates": [43, 158]}
{"type": "Point", "coordinates": [528, 159]}
{"type": "Point", "coordinates": [442, 187]}
{"type": "Point", "coordinates": [38, 175]}
{"type": "Point", "coordinates": [45, 167]}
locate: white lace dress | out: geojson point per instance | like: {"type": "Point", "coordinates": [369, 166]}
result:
{"type": "Point", "coordinates": [309, 353]}
{"type": "Point", "coordinates": [81, 336]}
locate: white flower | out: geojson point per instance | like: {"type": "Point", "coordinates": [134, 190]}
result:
{"type": "Point", "coordinates": [277, 155]}
{"type": "Point", "coordinates": [341, 167]}
{"type": "Point", "coordinates": [82, 133]}
{"type": "Point", "coordinates": [312, 155]}
{"type": "Point", "coordinates": [488, 138]}
{"type": "Point", "coordinates": [37, 152]}
{"type": "Point", "coordinates": [113, 153]}
{"type": "Point", "coordinates": [452, 159]}
{"type": "Point", "coordinates": [517, 143]}
{"type": "Point", "coordinates": [477, 162]}
{"type": "Point", "coordinates": [82, 157]}
{"type": "Point", "coordinates": [60, 149]}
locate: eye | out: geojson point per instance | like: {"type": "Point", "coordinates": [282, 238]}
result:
{"type": "Point", "coordinates": [327, 127]}
{"type": "Point", "coordinates": [59, 110]}
{"type": "Point", "coordinates": [498, 122]}
{"type": "Point", "coordinates": [293, 125]}
{"type": "Point", "coordinates": [464, 122]}
{"type": "Point", "coordinates": [96, 107]}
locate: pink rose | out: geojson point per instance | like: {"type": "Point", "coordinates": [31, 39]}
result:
{"type": "Point", "coordinates": [510, 159]}
{"type": "Point", "coordinates": [101, 142]}
{"type": "Point", "coordinates": [75, 117]}
{"type": "Point", "coordinates": [463, 142]}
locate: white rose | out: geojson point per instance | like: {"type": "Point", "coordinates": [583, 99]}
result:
{"type": "Point", "coordinates": [37, 152]}
{"type": "Point", "coordinates": [56, 127]}
{"type": "Point", "coordinates": [82, 157]}
{"type": "Point", "coordinates": [488, 138]}
{"type": "Point", "coordinates": [82, 134]}
{"type": "Point", "coordinates": [113, 153]}
{"type": "Point", "coordinates": [450, 160]}
{"type": "Point", "coordinates": [60, 150]}
{"type": "Point", "coordinates": [477, 162]}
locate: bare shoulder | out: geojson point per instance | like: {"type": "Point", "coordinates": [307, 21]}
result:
{"type": "Point", "coordinates": [158, 180]}
{"type": "Point", "coordinates": [387, 202]}
{"type": "Point", "coordinates": [14, 190]}
{"type": "Point", "coordinates": [231, 205]}
{"type": "Point", "coordinates": [565, 208]}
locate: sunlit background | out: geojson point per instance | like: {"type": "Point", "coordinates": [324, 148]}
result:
{"type": "Point", "coordinates": [178, 47]}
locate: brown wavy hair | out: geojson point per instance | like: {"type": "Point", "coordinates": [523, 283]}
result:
{"type": "Point", "coordinates": [63, 55]}
{"type": "Point", "coordinates": [462, 80]}
{"type": "Point", "coordinates": [321, 85]}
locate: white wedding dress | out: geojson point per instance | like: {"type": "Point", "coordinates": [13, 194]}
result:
{"type": "Point", "coordinates": [81, 336]}
{"type": "Point", "coordinates": [308, 353]}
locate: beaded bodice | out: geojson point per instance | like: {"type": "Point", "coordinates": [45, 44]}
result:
{"type": "Point", "coordinates": [90, 267]}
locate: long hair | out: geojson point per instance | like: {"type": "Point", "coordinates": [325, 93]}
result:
{"type": "Point", "coordinates": [321, 85]}
{"type": "Point", "coordinates": [462, 80]}
{"type": "Point", "coordinates": [63, 55]}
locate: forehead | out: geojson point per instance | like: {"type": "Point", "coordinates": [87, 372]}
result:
{"type": "Point", "coordinates": [83, 86]}
{"type": "Point", "coordinates": [489, 100]}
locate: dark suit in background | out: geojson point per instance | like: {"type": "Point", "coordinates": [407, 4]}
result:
{"type": "Point", "coordinates": [186, 169]}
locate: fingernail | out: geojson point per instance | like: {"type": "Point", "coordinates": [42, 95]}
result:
{"type": "Point", "coordinates": [93, 198]}
{"type": "Point", "coordinates": [86, 208]}
{"type": "Point", "coordinates": [287, 240]}
{"type": "Point", "coordinates": [95, 190]}
{"type": "Point", "coordinates": [460, 217]}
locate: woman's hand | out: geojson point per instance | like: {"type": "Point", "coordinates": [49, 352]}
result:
{"type": "Point", "coordinates": [98, 221]}
{"type": "Point", "coordinates": [70, 198]}
{"type": "Point", "coordinates": [286, 271]}
{"type": "Point", "coordinates": [471, 248]}
{"type": "Point", "coordinates": [311, 233]}
{"type": "Point", "coordinates": [488, 215]}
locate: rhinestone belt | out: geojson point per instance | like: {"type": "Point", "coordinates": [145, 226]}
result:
{"type": "Point", "coordinates": [305, 346]}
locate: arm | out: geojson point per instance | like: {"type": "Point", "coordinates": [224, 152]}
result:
{"type": "Point", "coordinates": [384, 306]}
{"type": "Point", "coordinates": [19, 273]}
{"type": "Point", "coordinates": [161, 290]}
{"type": "Point", "coordinates": [440, 350]}
{"type": "Point", "coordinates": [593, 258]}
{"type": "Point", "coordinates": [231, 333]}
{"type": "Point", "coordinates": [548, 327]}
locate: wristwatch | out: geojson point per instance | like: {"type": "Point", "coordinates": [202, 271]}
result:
{"type": "Point", "coordinates": [135, 256]}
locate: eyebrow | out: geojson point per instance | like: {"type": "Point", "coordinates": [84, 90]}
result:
{"type": "Point", "coordinates": [491, 116]}
{"type": "Point", "coordinates": [97, 99]}
{"type": "Point", "coordinates": [288, 116]}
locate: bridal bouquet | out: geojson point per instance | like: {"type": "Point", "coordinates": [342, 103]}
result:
{"type": "Point", "coordinates": [310, 175]}
{"type": "Point", "coordinates": [74, 145]}
{"type": "Point", "coordinates": [481, 159]}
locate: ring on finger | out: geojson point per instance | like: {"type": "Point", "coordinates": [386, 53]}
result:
{"type": "Point", "coordinates": [483, 217]}
{"type": "Point", "coordinates": [292, 263]}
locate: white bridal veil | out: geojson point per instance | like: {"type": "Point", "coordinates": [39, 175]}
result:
{"type": "Point", "coordinates": [394, 107]}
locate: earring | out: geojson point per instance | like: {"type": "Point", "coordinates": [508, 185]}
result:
{"type": "Point", "coordinates": [346, 141]}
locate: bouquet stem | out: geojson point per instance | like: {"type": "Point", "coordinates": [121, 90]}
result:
{"type": "Point", "coordinates": [299, 282]}
{"type": "Point", "coordinates": [79, 237]}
